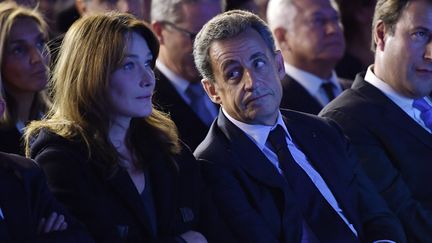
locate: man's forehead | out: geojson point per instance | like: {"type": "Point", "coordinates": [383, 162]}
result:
{"type": "Point", "coordinates": [246, 45]}
{"type": "Point", "coordinates": [417, 14]}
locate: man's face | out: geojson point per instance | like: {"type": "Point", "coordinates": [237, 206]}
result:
{"type": "Point", "coordinates": [315, 34]}
{"type": "Point", "coordinates": [407, 54]}
{"type": "Point", "coordinates": [247, 78]}
{"type": "Point", "coordinates": [176, 44]}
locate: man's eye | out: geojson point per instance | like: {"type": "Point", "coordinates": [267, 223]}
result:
{"type": "Point", "coordinates": [421, 35]}
{"type": "Point", "coordinates": [233, 74]}
{"type": "Point", "coordinates": [259, 63]}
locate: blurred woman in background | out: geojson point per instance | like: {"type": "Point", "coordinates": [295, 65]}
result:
{"type": "Point", "coordinates": [24, 61]}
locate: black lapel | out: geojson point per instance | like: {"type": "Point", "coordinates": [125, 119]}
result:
{"type": "Point", "coordinates": [296, 97]}
{"type": "Point", "coordinates": [163, 183]}
{"type": "Point", "coordinates": [325, 160]}
{"type": "Point", "coordinates": [126, 190]}
{"type": "Point", "coordinates": [248, 155]}
{"type": "Point", "coordinates": [394, 115]}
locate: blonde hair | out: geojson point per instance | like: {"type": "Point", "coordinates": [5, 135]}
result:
{"type": "Point", "coordinates": [91, 50]}
{"type": "Point", "coordinates": [9, 13]}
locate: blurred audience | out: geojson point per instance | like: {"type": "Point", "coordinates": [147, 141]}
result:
{"type": "Point", "coordinates": [24, 72]}
{"type": "Point", "coordinates": [178, 90]}
{"type": "Point", "coordinates": [112, 159]}
{"type": "Point", "coordinates": [309, 34]}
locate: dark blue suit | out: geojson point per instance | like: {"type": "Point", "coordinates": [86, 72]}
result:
{"type": "Point", "coordinates": [296, 97]}
{"type": "Point", "coordinates": [253, 202]}
{"type": "Point", "coordinates": [192, 130]}
{"type": "Point", "coordinates": [395, 151]}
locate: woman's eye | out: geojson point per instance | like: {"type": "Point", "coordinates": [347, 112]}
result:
{"type": "Point", "coordinates": [18, 50]}
{"type": "Point", "coordinates": [129, 66]}
{"type": "Point", "coordinates": [41, 45]}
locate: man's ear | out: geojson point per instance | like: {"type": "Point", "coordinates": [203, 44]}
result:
{"type": "Point", "coordinates": [281, 38]}
{"type": "Point", "coordinates": [380, 32]}
{"type": "Point", "coordinates": [280, 67]}
{"type": "Point", "coordinates": [211, 90]}
{"type": "Point", "coordinates": [157, 29]}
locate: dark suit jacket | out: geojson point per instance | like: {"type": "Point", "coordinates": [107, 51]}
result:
{"type": "Point", "coordinates": [112, 208]}
{"type": "Point", "coordinates": [192, 130]}
{"type": "Point", "coordinates": [254, 200]}
{"type": "Point", "coordinates": [25, 199]}
{"type": "Point", "coordinates": [10, 141]}
{"type": "Point", "coordinates": [395, 151]}
{"type": "Point", "coordinates": [296, 97]}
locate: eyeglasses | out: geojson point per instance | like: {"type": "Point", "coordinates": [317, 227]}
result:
{"type": "Point", "coordinates": [190, 35]}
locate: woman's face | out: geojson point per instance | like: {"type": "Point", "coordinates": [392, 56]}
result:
{"type": "Point", "coordinates": [25, 58]}
{"type": "Point", "coordinates": [132, 84]}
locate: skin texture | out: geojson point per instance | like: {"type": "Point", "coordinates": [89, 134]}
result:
{"type": "Point", "coordinates": [25, 63]}
{"type": "Point", "coordinates": [132, 84]}
{"type": "Point", "coordinates": [404, 59]}
{"type": "Point", "coordinates": [247, 78]}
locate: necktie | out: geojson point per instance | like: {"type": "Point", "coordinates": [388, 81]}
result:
{"type": "Point", "coordinates": [196, 94]}
{"type": "Point", "coordinates": [425, 111]}
{"type": "Point", "coordinates": [323, 220]}
{"type": "Point", "coordinates": [328, 88]}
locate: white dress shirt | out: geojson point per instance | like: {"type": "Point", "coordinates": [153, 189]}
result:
{"type": "Point", "coordinates": [403, 102]}
{"type": "Point", "coordinates": [259, 133]}
{"type": "Point", "coordinates": [312, 83]}
{"type": "Point", "coordinates": [181, 84]}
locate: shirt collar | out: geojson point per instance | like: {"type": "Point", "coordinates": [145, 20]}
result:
{"type": "Point", "coordinates": [258, 133]}
{"type": "Point", "coordinates": [309, 81]}
{"type": "Point", "coordinates": [179, 83]}
{"type": "Point", "coordinates": [402, 101]}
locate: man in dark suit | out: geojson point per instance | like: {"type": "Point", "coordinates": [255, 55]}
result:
{"type": "Point", "coordinates": [310, 37]}
{"type": "Point", "coordinates": [28, 210]}
{"type": "Point", "coordinates": [384, 113]}
{"type": "Point", "coordinates": [275, 176]}
{"type": "Point", "coordinates": [178, 90]}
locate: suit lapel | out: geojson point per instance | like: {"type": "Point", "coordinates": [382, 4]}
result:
{"type": "Point", "coordinates": [325, 162]}
{"type": "Point", "coordinates": [394, 115]}
{"type": "Point", "coordinates": [248, 155]}
{"type": "Point", "coordinates": [296, 97]}
{"type": "Point", "coordinates": [124, 187]}
{"type": "Point", "coordinates": [164, 188]}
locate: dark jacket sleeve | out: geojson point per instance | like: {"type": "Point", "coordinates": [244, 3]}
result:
{"type": "Point", "coordinates": [43, 203]}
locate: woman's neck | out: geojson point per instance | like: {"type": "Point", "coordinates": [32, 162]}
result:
{"type": "Point", "coordinates": [23, 104]}
{"type": "Point", "coordinates": [117, 136]}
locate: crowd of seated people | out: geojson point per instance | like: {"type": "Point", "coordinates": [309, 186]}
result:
{"type": "Point", "coordinates": [193, 121]}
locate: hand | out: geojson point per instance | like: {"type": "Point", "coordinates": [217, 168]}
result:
{"type": "Point", "coordinates": [193, 237]}
{"type": "Point", "coordinates": [55, 222]}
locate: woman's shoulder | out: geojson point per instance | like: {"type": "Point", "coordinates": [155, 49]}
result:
{"type": "Point", "coordinates": [46, 139]}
